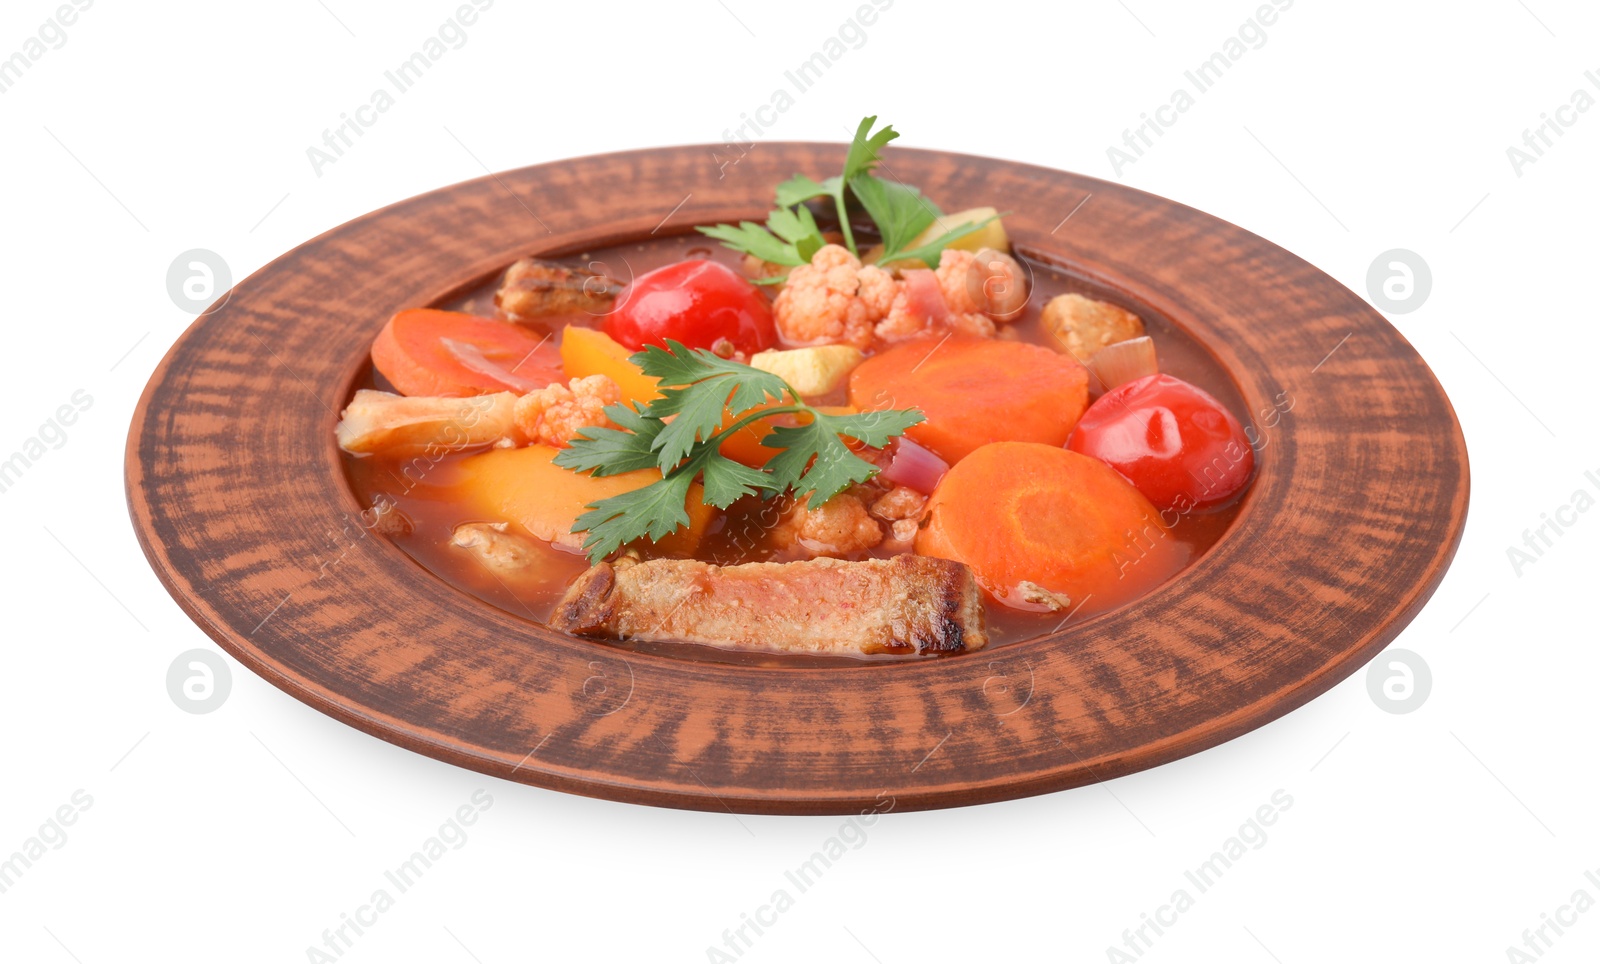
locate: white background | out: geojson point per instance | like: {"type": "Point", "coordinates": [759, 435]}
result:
{"type": "Point", "coordinates": [1356, 128]}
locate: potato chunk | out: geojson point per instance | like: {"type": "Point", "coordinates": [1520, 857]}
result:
{"type": "Point", "coordinates": [381, 422]}
{"type": "Point", "coordinates": [991, 235]}
{"type": "Point", "coordinates": [810, 371]}
{"type": "Point", "coordinates": [1083, 326]}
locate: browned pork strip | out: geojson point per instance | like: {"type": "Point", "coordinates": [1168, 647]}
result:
{"type": "Point", "coordinates": [902, 605]}
{"type": "Point", "coordinates": [534, 288]}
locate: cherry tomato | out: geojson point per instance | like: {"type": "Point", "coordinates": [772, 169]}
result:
{"type": "Point", "coordinates": [1175, 443]}
{"type": "Point", "coordinates": [697, 303]}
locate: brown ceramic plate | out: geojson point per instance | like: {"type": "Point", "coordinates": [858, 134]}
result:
{"type": "Point", "coordinates": [238, 498]}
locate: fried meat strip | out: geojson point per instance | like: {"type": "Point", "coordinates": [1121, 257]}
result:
{"type": "Point", "coordinates": [903, 605]}
{"type": "Point", "coordinates": [534, 288]}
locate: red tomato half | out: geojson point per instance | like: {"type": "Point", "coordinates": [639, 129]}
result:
{"type": "Point", "coordinates": [1175, 443]}
{"type": "Point", "coordinates": [697, 303]}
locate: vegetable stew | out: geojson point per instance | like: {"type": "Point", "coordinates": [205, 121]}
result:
{"type": "Point", "coordinates": [885, 435]}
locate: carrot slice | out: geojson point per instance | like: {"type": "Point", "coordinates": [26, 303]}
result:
{"type": "Point", "coordinates": [1023, 512]}
{"type": "Point", "coordinates": [525, 486]}
{"type": "Point", "coordinates": [589, 351]}
{"type": "Point", "coordinates": [975, 391]}
{"type": "Point", "coordinates": [424, 351]}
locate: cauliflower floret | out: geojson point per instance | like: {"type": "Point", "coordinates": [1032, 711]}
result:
{"type": "Point", "coordinates": [900, 502]}
{"type": "Point", "coordinates": [921, 304]}
{"type": "Point", "coordinates": [903, 531]}
{"type": "Point", "coordinates": [877, 290]}
{"type": "Point", "coordinates": [842, 525]}
{"type": "Point", "coordinates": [989, 282]}
{"type": "Point", "coordinates": [554, 414]}
{"type": "Point", "coordinates": [958, 281]}
{"type": "Point", "coordinates": [967, 288]}
{"type": "Point", "coordinates": [901, 507]}
{"type": "Point", "coordinates": [973, 323]}
{"type": "Point", "coordinates": [901, 322]}
{"type": "Point", "coordinates": [833, 300]}
{"type": "Point", "coordinates": [967, 293]}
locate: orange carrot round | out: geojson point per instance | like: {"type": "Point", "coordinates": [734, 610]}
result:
{"type": "Point", "coordinates": [1021, 513]}
{"type": "Point", "coordinates": [975, 391]}
{"type": "Point", "coordinates": [424, 351]}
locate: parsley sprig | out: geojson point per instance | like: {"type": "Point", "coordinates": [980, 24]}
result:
{"type": "Point", "coordinates": [791, 236]}
{"type": "Point", "coordinates": [681, 434]}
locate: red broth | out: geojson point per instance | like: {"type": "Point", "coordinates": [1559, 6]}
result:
{"type": "Point", "coordinates": [422, 488]}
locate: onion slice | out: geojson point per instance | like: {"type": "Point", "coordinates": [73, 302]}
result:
{"type": "Point", "coordinates": [473, 358]}
{"type": "Point", "coordinates": [1124, 361]}
{"type": "Point", "coordinates": [913, 466]}
{"type": "Point", "coordinates": [924, 297]}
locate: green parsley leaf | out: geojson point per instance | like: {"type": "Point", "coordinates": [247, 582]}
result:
{"type": "Point", "coordinates": [800, 189]}
{"type": "Point", "coordinates": [611, 451]}
{"type": "Point", "coordinates": [695, 416]}
{"type": "Point", "coordinates": [835, 467]}
{"type": "Point", "coordinates": [727, 481]}
{"type": "Point", "coordinates": [815, 461]}
{"type": "Point", "coordinates": [678, 364]}
{"type": "Point", "coordinates": [874, 429]}
{"type": "Point", "coordinates": [863, 157]}
{"type": "Point", "coordinates": [864, 150]}
{"type": "Point", "coordinates": [929, 253]}
{"type": "Point", "coordinates": [681, 434]}
{"type": "Point", "coordinates": [752, 238]}
{"type": "Point", "coordinates": [657, 511]}
{"type": "Point", "coordinates": [859, 162]}
{"type": "Point", "coordinates": [799, 228]}
{"type": "Point", "coordinates": [789, 237]}
{"type": "Point", "coordinates": [901, 212]}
